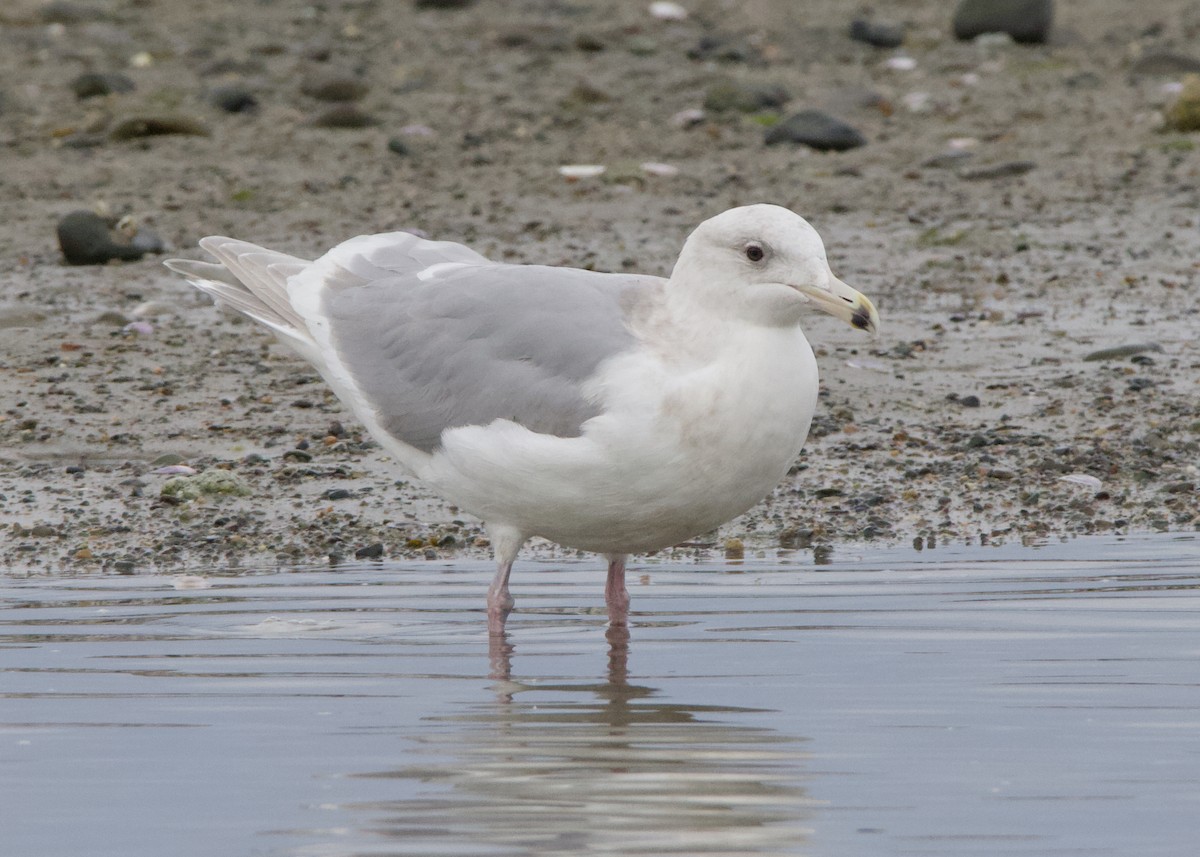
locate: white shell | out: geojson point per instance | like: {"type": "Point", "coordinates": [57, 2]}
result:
{"type": "Point", "coordinates": [581, 171]}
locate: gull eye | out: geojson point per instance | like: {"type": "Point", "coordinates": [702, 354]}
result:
{"type": "Point", "coordinates": [754, 252]}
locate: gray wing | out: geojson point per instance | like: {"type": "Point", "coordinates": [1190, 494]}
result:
{"type": "Point", "coordinates": [465, 343]}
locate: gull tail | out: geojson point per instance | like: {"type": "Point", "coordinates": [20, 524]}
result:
{"type": "Point", "coordinates": [253, 281]}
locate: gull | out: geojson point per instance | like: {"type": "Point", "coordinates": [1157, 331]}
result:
{"type": "Point", "coordinates": [608, 412]}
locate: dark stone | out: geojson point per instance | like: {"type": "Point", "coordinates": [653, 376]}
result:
{"type": "Point", "coordinates": [443, 4]}
{"type": "Point", "coordinates": [971, 401]}
{"type": "Point", "coordinates": [373, 551]}
{"type": "Point", "coordinates": [334, 87]}
{"type": "Point", "coordinates": [92, 84]}
{"type": "Point", "coordinates": [723, 49]}
{"type": "Point", "coordinates": [153, 126]}
{"type": "Point", "coordinates": [85, 240]}
{"type": "Point", "coordinates": [876, 34]}
{"type": "Point", "coordinates": [233, 99]}
{"type": "Point", "coordinates": [337, 494]}
{"type": "Point", "coordinates": [61, 12]}
{"type": "Point", "coordinates": [816, 129]}
{"type": "Point", "coordinates": [1027, 21]}
{"type": "Point", "coordinates": [589, 43]}
{"type": "Point", "coordinates": [398, 146]}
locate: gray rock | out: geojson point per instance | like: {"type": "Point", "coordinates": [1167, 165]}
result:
{"type": "Point", "coordinates": [85, 240]}
{"type": "Point", "coordinates": [1164, 64]}
{"type": "Point", "coordinates": [372, 551]}
{"type": "Point", "coordinates": [233, 99]}
{"type": "Point", "coordinates": [147, 241]}
{"type": "Point", "coordinates": [942, 160]}
{"type": "Point", "coordinates": [1120, 352]}
{"type": "Point", "coordinates": [442, 4]}
{"type": "Point", "coordinates": [747, 97]}
{"type": "Point", "coordinates": [91, 84]}
{"type": "Point", "coordinates": [817, 130]}
{"type": "Point", "coordinates": [877, 34]}
{"type": "Point", "coordinates": [1027, 21]}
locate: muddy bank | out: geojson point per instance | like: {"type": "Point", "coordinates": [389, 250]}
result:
{"type": "Point", "coordinates": [1015, 209]}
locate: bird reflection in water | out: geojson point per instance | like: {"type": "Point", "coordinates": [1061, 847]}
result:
{"type": "Point", "coordinates": [557, 767]}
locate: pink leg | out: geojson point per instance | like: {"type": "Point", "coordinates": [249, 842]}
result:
{"type": "Point", "coordinates": [499, 601]}
{"type": "Point", "coordinates": [616, 596]}
{"type": "Point", "coordinates": [506, 542]}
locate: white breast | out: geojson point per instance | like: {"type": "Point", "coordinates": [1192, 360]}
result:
{"type": "Point", "coordinates": [680, 448]}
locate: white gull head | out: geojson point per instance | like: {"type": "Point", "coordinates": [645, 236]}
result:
{"type": "Point", "coordinates": [764, 264]}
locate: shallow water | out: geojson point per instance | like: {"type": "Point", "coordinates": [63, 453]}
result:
{"type": "Point", "coordinates": [957, 701]}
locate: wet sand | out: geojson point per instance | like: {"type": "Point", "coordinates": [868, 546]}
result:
{"type": "Point", "coordinates": [957, 424]}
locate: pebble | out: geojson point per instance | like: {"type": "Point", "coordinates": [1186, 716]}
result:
{"type": "Point", "coordinates": [397, 146]}
{"type": "Point", "coordinates": [233, 99]}
{"type": "Point", "coordinates": [1008, 169]}
{"type": "Point", "coordinates": [92, 84]}
{"type": "Point", "coordinates": [792, 538]}
{"type": "Point", "coordinates": [61, 12]}
{"type": "Point", "coordinates": [443, 4]}
{"type": "Point", "coordinates": [371, 551]}
{"type": "Point", "coordinates": [589, 43]}
{"type": "Point", "coordinates": [334, 87]}
{"type": "Point", "coordinates": [337, 494]}
{"type": "Point", "coordinates": [344, 115]}
{"type": "Point", "coordinates": [174, 470]}
{"type": "Point", "coordinates": [951, 158]}
{"type": "Point", "coordinates": [879, 35]}
{"type": "Point", "coordinates": [722, 49]}
{"type": "Point", "coordinates": [746, 97]}
{"type": "Point", "coordinates": [1082, 479]}
{"type": "Point", "coordinates": [85, 240]}
{"type": "Point", "coordinates": [1120, 352]}
{"type": "Point", "coordinates": [136, 127]}
{"type": "Point", "coordinates": [1184, 112]}
{"type": "Point", "coordinates": [688, 118]}
{"type": "Point", "coordinates": [1164, 64]}
{"type": "Point", "coordinates": [575, 172]}
{"type": "Point", "coordinates": [667, 11]}
{"type": "Point", "coordinates": [147, 240]}
{"type": "Point", "coordinates": [815, 129]}
{"type": "Point", "coordinates": [968, 401]}
{"type": "Point", "coordinates": [660, 170]}
{"type": "Point", "coordinates": [1026, 21]}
